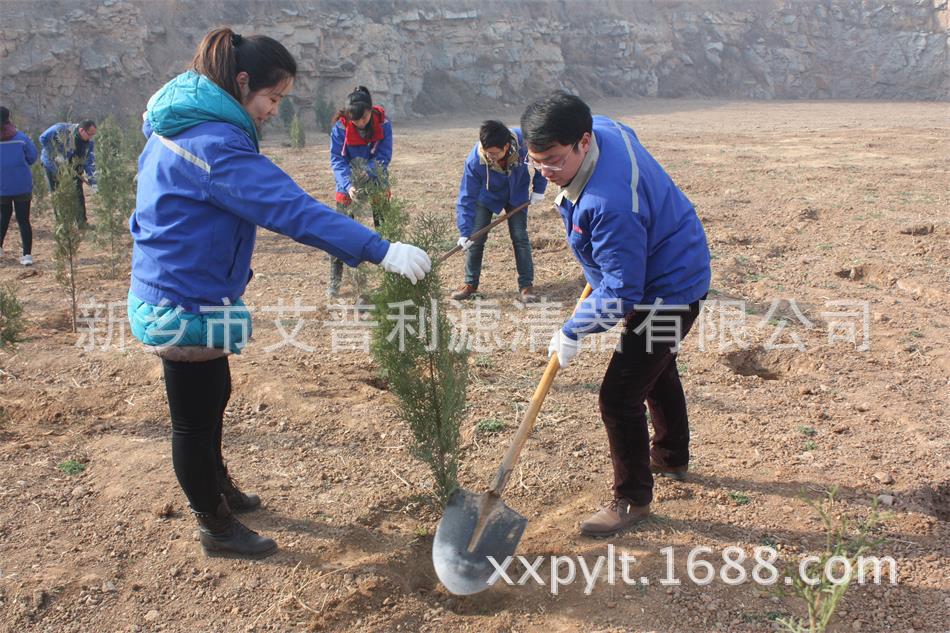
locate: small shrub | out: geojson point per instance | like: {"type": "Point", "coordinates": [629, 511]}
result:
{"type": "Point", "coordinates": [323, 111]}
{"type": "Point", "coordinates": [842, 543]}
{"type": "Point", "coordinates": [11, 316]}
{"type": "Point", "coordinates": [740, 498]}
{"type": "Point", "coordinates": [490, 425]}
{"type": "Point", "coordinates": [298, 138]}
{"type": "Point", "coordinates": [71, 466]}
{"type": "Point", "coordinates": [286, 111]}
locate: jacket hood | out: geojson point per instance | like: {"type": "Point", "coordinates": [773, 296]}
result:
{"type": "Point", "coordinates": [190, 99]}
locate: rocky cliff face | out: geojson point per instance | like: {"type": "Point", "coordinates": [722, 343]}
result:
{"type": "Point", "coordinates": [88, 58]}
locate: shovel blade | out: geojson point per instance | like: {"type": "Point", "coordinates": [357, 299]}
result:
{"type": "Point", "coordinates": [465, 572]}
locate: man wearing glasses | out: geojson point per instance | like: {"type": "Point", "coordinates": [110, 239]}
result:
{"type": "Point", "coordinates": [643, 250]}
{"type": "Point", "coordinates": [496, 178]}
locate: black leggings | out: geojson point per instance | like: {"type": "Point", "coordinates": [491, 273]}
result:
{"type": "Point", "coordinates": [21, 206]}
{"type": "Point", "coordinates": [198, 393]}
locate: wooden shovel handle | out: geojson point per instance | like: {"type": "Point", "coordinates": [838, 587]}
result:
{"type": "Point", "coordinates": [530, 415]}
{"type": "Point", "coordinates": [477, 234]}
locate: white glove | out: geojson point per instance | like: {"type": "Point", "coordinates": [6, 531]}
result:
{"type": "Point", "coordinates": [59, 160]}
{"type": "Point", "coordinates": [536, 198]}
{"type": "Point", "coordinates": [351, 192]}
{"type": "Point", "coordinates": [94, 188]}
{"type": "Point", "coordinates": [407, 260]}
{"type": "Point", "coordinates": [465, 243]}
{"type": "Point", "coordinates": [565, 347]}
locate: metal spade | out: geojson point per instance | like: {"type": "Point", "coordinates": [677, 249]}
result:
{"type": "Point", "coordinates": [477, 529]}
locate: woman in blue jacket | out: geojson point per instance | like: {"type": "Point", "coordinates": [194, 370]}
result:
{"type": "Point", "coordinates": [17, 153]}
{"type": "Point", "coordinates": [203, 188]}
{"type": "Point", "coordinates": [362, 132]}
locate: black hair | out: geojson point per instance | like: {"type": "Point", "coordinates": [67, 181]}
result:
{"type": "Point", "coordinates": [222, 54]}
{"type": "Point", "coordinates": [357, 103]}
{"type": "Point", "coordinates": [494, 134]}
{"type": "Point", "coordinates": [86, 124]}
{"type": "Point", "coordinates": [557, 118]}
{"type": "Point", "coordinates": [4, 115]}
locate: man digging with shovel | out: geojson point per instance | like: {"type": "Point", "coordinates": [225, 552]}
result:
{"type": "Point", "coordinates": [643, 251]}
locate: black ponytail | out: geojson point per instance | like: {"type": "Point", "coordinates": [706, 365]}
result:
{"type": "Point", "coordinates": [222, 54]}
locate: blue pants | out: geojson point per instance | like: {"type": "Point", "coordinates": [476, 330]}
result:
{"type": "Point", "coordinates": [518, 230]}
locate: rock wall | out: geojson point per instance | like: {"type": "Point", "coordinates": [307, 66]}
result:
{"type": "Point", "coordinates": [70, 58]}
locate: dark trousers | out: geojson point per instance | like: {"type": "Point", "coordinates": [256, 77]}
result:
{"type": "Point", "coordinates": [52, 179]}
{"type": "Point", "coordinates": [517, 230]}
{"type": "Point", "coordinates": [198, 394]}
{"type": "Point", "coordinates": [636, 376]}
{"type": "Point", "coordinates": [336, 265]}
{"type": "Point", "coordinates": [20, 205]}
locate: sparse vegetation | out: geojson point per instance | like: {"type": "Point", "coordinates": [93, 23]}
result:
{"type": "Point", "coordinates": [740, 498]}
{"type": "Point", "coordinates": [490, 425]}
{"type": "Point", "coordinates": [845, 542]}
{"type": "Point", "coordinates": [71, 466]}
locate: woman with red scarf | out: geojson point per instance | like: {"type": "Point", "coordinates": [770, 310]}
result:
{"type": "Point", "coordinates": [360, 131]}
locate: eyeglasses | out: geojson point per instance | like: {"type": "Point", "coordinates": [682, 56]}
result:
{"type": "Point", "coordinates": [558, 166]}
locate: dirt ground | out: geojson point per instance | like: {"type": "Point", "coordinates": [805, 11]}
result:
{"type": "Point", "coordinates": [802, 202]}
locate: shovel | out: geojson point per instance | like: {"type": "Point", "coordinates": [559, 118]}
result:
{"type": "Point", "coordinates": [477, 234]}
{"type": "Point", "coordinates": [475, 526]}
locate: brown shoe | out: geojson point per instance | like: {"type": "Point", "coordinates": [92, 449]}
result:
{"type": "Point", "coordinates": [673, 472]}
{"type": "Point", "coordinates": [464, 292]}
{"type": "Point", "coordinates": [526, 295]}
{"type": "Point", "coordinates": [618, 515]}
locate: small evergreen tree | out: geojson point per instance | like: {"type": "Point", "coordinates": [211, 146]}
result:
{"type": "Point", "coordinates": [40, 188]}
{"type": "Point", "coordinates": [298, 138]}
{"type": "Point", "coordinates": [115, 173]}
{"type": "Point", "coordinates": [11, 316]}
{"type": "Point", "coordinates": [323, 111]}
{"type": "Point", "coordinates": [66, 233]}
{"type": "Point", "coordinates": [426, 375]}
{"type": "Point", "coordinates": [286, 111]}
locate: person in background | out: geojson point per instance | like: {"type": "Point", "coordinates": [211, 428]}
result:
{"type": "Point", "coordinates": [17, 153]}
{"type": "Point", "coordinates": [360, 131]}
{"type": "Point", "coordinates": [496, 177]}
{"type": "Point", "coordinates": [643, 250]}
{"type": "Point", "coordinates": [203, 189]}
{"type": "Point", "coordinates": [69, 152]}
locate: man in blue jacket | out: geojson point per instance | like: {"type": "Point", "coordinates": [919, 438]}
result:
{"type": "Point", "coordinates": [68, 151]}
{"type": "Point", "coordinates": [496, 178]}
{"type": "Point", "coordinates": [643, 250]}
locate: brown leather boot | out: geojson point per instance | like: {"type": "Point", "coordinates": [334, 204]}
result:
{"type": "Point", "coordinates": [618, 515]}
{"type": "Point", "coordinates": [526, 295]}
{"type": "Point", "coordinates": [223, 535]}
{"type": "Point", "coordinates": [673, 472]}
{"type": "Point", "coordinates": [464, 292]}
